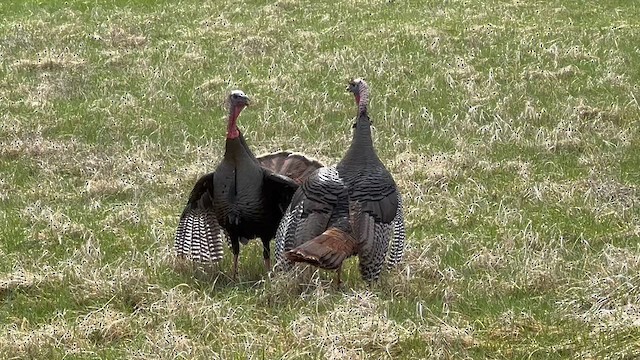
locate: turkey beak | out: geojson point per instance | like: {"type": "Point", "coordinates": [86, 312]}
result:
{"type": "Point", "coordinates": [246, 100]}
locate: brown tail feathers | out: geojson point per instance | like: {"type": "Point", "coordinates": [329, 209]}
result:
{"type": "Point", "coordinates": [326, 251]}
{"type": "Point", "coordinates": [298, 167]}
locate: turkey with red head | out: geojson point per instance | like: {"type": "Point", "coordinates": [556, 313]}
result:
{"type": "Point", "coordinates": [244, 198]}
{"type": "Point", "coordinates": [350, 209]}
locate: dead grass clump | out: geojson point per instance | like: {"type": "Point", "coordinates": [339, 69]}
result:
{"type": "Point", "coordinates": [602, 195]}
{"type": "Point", "coordinates": [167, 342]}
{"type": "Point", "coordinates": [118, 215]}
{"type": "Point", "coordinates": [532, 111]}
{"type": "Point", "coordinates": [620, 261]}
{"type": "Point", "coordinates": [101, 327]}
{"type": "Point", "coordinates": [216, 84]}
{"type": "Point", "coordinates": [256, 45]}
{"type": "Point", "coordinates": [42, 342]}
{"type": "Point", "coordinates": [90, 280]}
{"type": "Point", "coordinates": [5, 188]}
{"type": "Point", "coordinates": [214, 23]}
{"type": "Point", "coordinates": [48, 86]}
{"type": "Point", "coordinates": [22, 279]}
{"type": "Point", "coordinates": [604, 317]}
{"type": "Point", "coordinates": [133, 287]}
{"type": "Point", "coordinates": [280, 6]}
{"type": "Point", "coordinates": [430, 38]}
{"type": "Point", "coordinates": [144, 161]}
{"type": "Point", "coordinates": [439, 169]}
{"type": "Point", "coordinates": [354, 329]}
{"type": "Point", "coordinates": [50, 61]}
{"type": "Point", "coordinates": [541, 276]}
{"type": "Point", "coordinates": [609, 299]}
{"type": "Point", "coordinates": [118, 37]}
{"type": "Point", "coordinates": [37, 146]}
{"type": "Point", "coordinates": [580, 53]}
{"type": "Point", "coordinates": [552, 192]}
{"type": "Point", "coordinates": [501, 130]}
{"type": "Point", "coordinates": [105, 326]}
{"type": "Point", "coordinates": [108, 186]}
{"type": "Point", "coordinates": [488, 260]}
{"type": "Point", "coordinates": [300, 283]}
{"type": "Point", "coordinates": [612, 192]}
{"type": "Point", "coordinates": [512, 326]}
{"type": "Point", "coordinates": [562, 73]}
{"type": "Point", "coordinates": [422, 274]}
{"type": "Point", "coordinates": [447, 341]}
{"type": "Point", "coordinates": [121, 38]}
{"type": "Point", "coordinates": [57, 225]}
{"type": "Point", "coordinates": [517, 167]}
{"type": "Point", "coordinates": [421, 264]}
{"type": "Point", "coordinates": [521, 269]}
{"type": "Point", "coordinates": [605, 124]}
{"type": "Point", "coordinates": [182, 302]}
{"type": "Point", "coordinates": [123, 172]}
{"type": "Point", "coordinates": [616, 79]}
{"type": "Point", "coordinates": [585, 112]}
{"type": "Point", "coordinates": [565, 136]}
{"type": "Point", "coordinates": [128, 286]}
{"type": "Point", "coordinates": [536, 263]}
{"type": "Point", "coordinates": [228, 326]}
{"type": "Point", "coordinates": [461, 71]}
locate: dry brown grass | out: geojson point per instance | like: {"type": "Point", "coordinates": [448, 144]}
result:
{"type": "Point", "coordinates": [356, 329]}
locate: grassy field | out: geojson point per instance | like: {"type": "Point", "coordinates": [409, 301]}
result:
{"type": "Point", "coordinates": [511, 127]}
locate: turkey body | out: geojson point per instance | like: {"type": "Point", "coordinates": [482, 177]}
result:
{"type": "Point", "coordinates": [239, 201]}
{"type": "Point", "coordinates": [320, 202]}
{"type": "Point", "coordinates": [372, 187]}
{"type": "Point", "coordinates": [246, 205]}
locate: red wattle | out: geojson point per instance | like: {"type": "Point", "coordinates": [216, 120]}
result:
{"type": "Point", "coordinates": [233, 133]}
{"type": "Point", "coordinates": [232, 128]}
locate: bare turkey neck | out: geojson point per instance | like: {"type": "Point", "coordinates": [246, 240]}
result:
{"type": "Point", "coordinates": [361, 144]}
{"type": "Point", "coordinates": [361, 136]}
{"type": "Point", "coordinates": [362, 98]}
{"type": "Point", "coordinates": [362, 131]}
{"type": "Point", "coordinates": [232, 126]}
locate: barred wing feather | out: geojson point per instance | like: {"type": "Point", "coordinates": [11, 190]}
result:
{"type": "Point", "coordinates": [199, 236]}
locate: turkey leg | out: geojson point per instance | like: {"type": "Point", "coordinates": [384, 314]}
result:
{"type": "Point", "coordinates": [266, 254]}
{"type": "Point", "coordinates": [338, 279]}
{"type": "Point", "coordinates": [235, 247]}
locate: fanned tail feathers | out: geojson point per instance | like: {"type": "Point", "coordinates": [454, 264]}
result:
{"type": "Point", "coordinates": [396, 249]}
{"type": "Point", "coordinates": [285, 235]}
{"type": "Point", "coordinates": [294, 166]}
{"type": "Point", "coordinates": [199, 237]}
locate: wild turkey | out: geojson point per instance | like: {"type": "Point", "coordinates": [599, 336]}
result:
{"type": "Point", "coordinates": [243, 198]}
{"type": "Point", "coordinates": [326, 199]}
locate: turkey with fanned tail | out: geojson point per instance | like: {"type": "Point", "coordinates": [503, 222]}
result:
{"type": "Point", "coordinates": [319, 225]}
{"type": "Point", "coordinates": [244, 198]}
